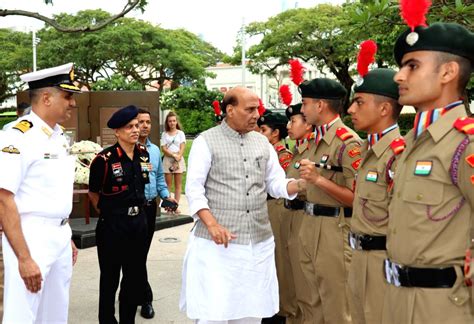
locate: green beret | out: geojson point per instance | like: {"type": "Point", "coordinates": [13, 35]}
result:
{"type": "Point", "coordinates": [322, 88]}
{"type": "Point", "coordinates": [440, 37]}
{"type": "Point", "coordinates": [379, 82]}
{"type": "Point", "coordinates": [272, 119]}
{"type": "Point", "coordinates": [122, 117]}
{"type": "Point", "coordinates": [293, 110]}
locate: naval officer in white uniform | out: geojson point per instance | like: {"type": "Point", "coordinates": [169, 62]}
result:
{"type": "Point", "coordinates": [36, 183]}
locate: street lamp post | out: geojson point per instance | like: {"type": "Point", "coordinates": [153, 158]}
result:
{"type": "Point", "coordinates": [243, 51]}
{"type": "Point", "coordinates": [35, 40]}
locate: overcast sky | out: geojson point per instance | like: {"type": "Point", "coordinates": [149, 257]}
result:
{"type": "Point", "coordinates": [217, 21]}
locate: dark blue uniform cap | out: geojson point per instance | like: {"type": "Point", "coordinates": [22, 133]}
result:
{"type": "Point", "coordinates": [121, 117]}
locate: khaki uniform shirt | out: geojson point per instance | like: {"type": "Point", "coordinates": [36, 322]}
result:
{"type": "Point", "coordinates": [371, 197]}
{"type": "Point", "coordinates": [430, 217]}
{"type": "Point", "coordinates": [284, 155]}
{"type": "Point", "coordinates": [301, 152]}
{"type": "Point", "coordinates": [330, 151]}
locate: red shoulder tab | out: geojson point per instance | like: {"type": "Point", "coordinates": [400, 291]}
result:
{"type": "Point", "coordinates": [279, 148]}
{"type": "Point", "coordinates": [343, 134]}
{"type": "Point", "coordinates": [398, 145]}
{"type": "Point", "coordinates": [465, 125]}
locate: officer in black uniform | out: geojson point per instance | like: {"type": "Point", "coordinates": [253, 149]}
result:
{"type": "Point", "coordinates": [116, 188]}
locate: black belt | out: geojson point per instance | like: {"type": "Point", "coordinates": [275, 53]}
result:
{"type": "Point", "coordinates": [294, 204]}
{"type": "Point", "coordinates": [270, 197]}
{"type": "Point", "coordinates": [150, 202]}
{"type": "Point", "coordinates": [367, 242]}
{"type": "Point", "coordinates": [130, 211]}
{"type": "Point", "coordinates": [321, 210]}
{"type": "Point", "coordinates": [402, 276]}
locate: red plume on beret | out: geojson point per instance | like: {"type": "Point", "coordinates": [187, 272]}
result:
{"type": "Point", "coordinates": [285, 95]}
{"type": "Point", "coordinates": [217, 108]}
{"type": "Point", "coordinates": [296, 71]}
{"type": "Point", "coordinates": [366, 56]}
{"type": "Point", "coordinates": [261, 108]}
{"type": "Point", "coordinates": [414, 12]}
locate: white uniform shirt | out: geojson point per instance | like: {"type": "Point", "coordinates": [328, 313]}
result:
{"type": "Point", "coordinates": [37, 169]}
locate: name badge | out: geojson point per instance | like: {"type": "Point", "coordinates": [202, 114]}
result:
{"type": "Point", "coordinates": [371, 176]}
{"type": "Point", "coordinates": [423, 168]}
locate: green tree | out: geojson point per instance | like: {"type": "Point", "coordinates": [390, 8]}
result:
{"type": "Point", "coordinates": [15, 58]}
{"type": "Point", "coordinates": [316, 35]}
{"type": "Point", "coordinates": [116, 82]}
{"type": "Point", "coordinates": [193, 105]}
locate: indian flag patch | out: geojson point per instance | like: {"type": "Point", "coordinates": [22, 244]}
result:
{"type": "Point", "coordinates": [371, 176]}
{"type": "Point", "coordinates": [423, 168]}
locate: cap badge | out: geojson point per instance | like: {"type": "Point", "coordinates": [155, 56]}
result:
{"type": "Point", "coordinates": [412, 38]}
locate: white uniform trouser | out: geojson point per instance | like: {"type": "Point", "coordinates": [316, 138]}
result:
{"type": "Point", "coordinates": [50, 247]}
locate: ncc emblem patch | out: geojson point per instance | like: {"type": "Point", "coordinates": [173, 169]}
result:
{"type": "Point", "coordinates": [10, 149]}
{"type": "Point", "coordinates": [371, 176]}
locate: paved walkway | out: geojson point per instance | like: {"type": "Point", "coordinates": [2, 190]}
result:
{"type": "Point", "coordinates": [164, 272]}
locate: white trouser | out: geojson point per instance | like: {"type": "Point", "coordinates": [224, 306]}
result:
{"type": "Point", "coordinates": [247, 320]}
{"type": "Point", "coordinates": [50, 247]}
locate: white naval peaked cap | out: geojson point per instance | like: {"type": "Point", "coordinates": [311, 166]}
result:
{"type": "Point", "coordinates": [61, 76]}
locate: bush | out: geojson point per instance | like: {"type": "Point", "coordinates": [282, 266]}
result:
{"type": "Point", "coordinates": [195, 121]}
{"type": "Point", "coordinates": [5, 120]}
{"type": "Point", "coordinates": [405, 122]}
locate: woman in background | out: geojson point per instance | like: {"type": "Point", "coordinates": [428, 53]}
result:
{"type": "Point", "coordinates": [173, 142]}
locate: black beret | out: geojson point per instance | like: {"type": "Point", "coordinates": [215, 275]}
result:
{"type": "Point", "coordinates": [272, 119]}
{"type": "Point", "coordinates": [379, 82]}
{"type": "Point", "coordinates": [293, 110]}
{"type": "Point", "coordinates": [322, 88]}
{"type": "Point", "coordinates": [440, 37]}
{"type": "Point", "coordinates": [121, 117]}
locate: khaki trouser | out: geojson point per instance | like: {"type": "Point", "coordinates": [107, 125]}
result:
{"type": "Point", "coordinates": [281, 229]}
{"type": "Point", "coordinates": [367, 285]}
{"type": "Point", "coordinates": [429, 305]}
{"type": "Point", "coordinates": [325, 258]}
{"type": "Point", "coordinates": [303, 290]}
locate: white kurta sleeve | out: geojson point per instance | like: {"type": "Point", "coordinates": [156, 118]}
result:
{"type": "Point", "coordinates": [199, 164]}
{"type": "Point", "coordinates": [275, 180]}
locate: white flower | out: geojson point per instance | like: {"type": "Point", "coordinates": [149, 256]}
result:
{"type": "Point", "coordinates": [85, 152]}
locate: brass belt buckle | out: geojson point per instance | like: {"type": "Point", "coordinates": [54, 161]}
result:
{"type": "Point", "coordinates": [133, 211]}
{"type": "Point", "coordinates": [392, 273]}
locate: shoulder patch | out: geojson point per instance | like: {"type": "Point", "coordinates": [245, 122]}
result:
{"type": "Point", "coordinates": [398, 145]}
{"type": "Point", "coordinates": [23, 126]}
{"type": "Point", "coordinates": [343, 134]}
{"type": "Point", "coordinates": [465, 125]}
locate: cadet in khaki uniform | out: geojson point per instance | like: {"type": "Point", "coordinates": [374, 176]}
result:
{"type": "Point", "coordinates": [431, 211]}
{"type": "Point", "coordinates": [302, 132]}
{"type": "Point", "coordinates": [336, 150]}
{"type": "Point", "coordinates": [374, 110]}
{"type": "Point", "coordinates": [273, 127]}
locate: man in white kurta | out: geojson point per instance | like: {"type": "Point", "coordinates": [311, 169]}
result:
{"type": "Point", "coordinates": [229, 273]}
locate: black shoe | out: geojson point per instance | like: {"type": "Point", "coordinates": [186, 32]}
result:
{"type": "Point", "coordinates": [147, 311]}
